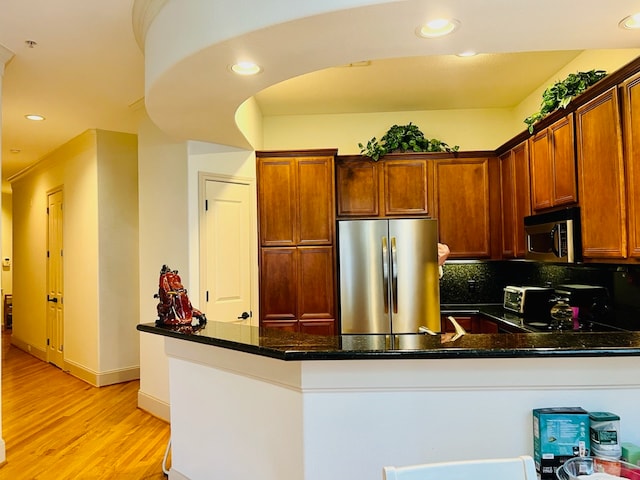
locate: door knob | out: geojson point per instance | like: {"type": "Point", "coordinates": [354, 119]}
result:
{"type": "Point", "coordinates": [244, 315]}
{"type": "Point", "coordinates": [52, 299]}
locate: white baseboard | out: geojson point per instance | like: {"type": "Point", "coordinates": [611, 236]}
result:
{"type": "Point", "coordinates": [30, 349]}
{"type": "Point", "coordinates": [98, 379]}
{"type": "Point", "coordinates": [154, 406]}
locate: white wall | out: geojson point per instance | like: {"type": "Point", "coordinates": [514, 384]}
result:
{"type": "Point", "coordinates": [163, 239]}
{"type": "Point", "coordinates": [6, 230]}
{"type": "Point", "coordinates": [480, 129]}
{"type": "Point", "coordinates": [119, 347]}
{"type": "Point", "coordinates": [79, 242]}
{"type": "Point", "coordinates": [168, 177]}
{"type": "Point", "coordinates": [5, 56]}
{"type": "Point", "coordinates": [94, 229]}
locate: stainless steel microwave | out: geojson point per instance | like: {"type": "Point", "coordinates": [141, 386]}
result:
{"type": "Point", "coordinates": [554, 236]}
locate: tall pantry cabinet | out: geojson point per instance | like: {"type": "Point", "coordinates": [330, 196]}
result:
{"type": "Point", "coordinates": [297, 240]}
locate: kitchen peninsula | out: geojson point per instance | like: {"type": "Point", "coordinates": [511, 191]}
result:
{"type": "Point", "coordinates": [267, 404]}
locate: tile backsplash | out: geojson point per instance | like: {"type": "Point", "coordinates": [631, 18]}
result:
{"type": "Point", "coordinates": [482, 282]}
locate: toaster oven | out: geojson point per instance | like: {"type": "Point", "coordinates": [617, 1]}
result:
{"type": "Point", "coordinates": [527, 301]}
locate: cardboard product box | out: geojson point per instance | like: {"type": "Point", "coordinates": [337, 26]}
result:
{"type": "Point", "coordinates": [559, 433]}
{"type": "Point", "coordinates": [631, 453]}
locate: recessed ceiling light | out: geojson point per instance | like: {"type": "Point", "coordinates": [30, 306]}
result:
{"type": "Point", "coordinates": [631, 22]}
{"type": "Point", "coordinates": [467, 53]}
{"type": "Point", "coordinates": [246, 68]}
{"type": "Point", "coordinates": [34, 117]}
{"type": "Point", "coordinates": [438, 28]}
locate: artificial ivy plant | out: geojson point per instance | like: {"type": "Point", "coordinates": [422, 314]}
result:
{"type": "Point", "coordinates": [403, 138]}
{"type": "Point", "coordinates": [562, 92]}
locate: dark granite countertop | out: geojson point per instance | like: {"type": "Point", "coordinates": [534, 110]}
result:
{"type": "Point", "coordinates": [297, 346]}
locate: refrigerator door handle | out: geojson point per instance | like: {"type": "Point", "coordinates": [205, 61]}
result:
{"type": "Point", "coordinates": [385, 274]}
{"type": "Point", "coordinates": [394, 275]}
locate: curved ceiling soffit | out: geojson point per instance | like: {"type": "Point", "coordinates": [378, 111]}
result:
{"type": "Point", "coordinates": [197, 98]}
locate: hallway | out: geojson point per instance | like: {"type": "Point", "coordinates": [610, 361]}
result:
{"type": "Point", "coordinates": [56, 426]}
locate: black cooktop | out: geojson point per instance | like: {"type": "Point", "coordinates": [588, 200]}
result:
{"type": "Point", "coordinates": [537, 324]}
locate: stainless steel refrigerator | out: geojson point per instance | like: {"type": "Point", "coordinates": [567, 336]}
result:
{"type": "Point", "coordinates": [389, 281]}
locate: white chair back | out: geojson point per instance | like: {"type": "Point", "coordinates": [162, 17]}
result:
{"type": "Point", "coordinates": [519, 468]}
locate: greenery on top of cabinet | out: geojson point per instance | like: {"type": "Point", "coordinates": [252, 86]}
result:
{"type": "Point", "coordinates": [562, 92]}
{"type": "Point", "coordinates": [403, 138]}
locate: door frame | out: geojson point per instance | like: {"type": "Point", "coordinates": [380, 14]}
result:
{"type": "Point", "coordinates": [204, 177]}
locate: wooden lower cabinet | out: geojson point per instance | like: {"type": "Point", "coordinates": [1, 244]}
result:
{"type": "Point", "coordinates": [297, 289]}
{"type": "Point", "coordinates": [471, 323]}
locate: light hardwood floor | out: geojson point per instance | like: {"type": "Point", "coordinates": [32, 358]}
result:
{"type": "Point", "coordinates": [58, 427]}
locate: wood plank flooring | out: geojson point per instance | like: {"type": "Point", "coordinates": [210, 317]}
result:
{"type": "Point", "coordinates": [58, 427]}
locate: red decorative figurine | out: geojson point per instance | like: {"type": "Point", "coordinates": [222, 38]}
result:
{"type": "Point", "coordinates": [174, 307]}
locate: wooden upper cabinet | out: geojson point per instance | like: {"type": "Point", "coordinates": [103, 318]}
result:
{"type": "Point", "coordinates": [631, 122]}
{"type": "Point", "coordinates": [387, 188]}
{"type": "Point", "coordinates": [601, 174]}
{"type": "Point", "coordinates": [515, 199]}
{"type": "Point", "coordinates": [553, 165]}
{"type": "Point", "coordinates": [296, 200]}
{"type": "Point", "coordinates": [463, 206]}
{"type": "Point", "coordinates": [357, 188]}
{"type": "Point", "coordinates": [404, 184]}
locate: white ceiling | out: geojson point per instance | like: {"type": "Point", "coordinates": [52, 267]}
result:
{"type": "Point", "coordinates": [87, 71]}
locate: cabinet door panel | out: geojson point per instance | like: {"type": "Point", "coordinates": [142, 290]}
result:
{"type": "Point", "coordinates": [284, 325]}
{"type": "Point", "coordinates": [318, 327]}
{"type": "Point", "coordinates": [564, 161]}
{"type": "Point", "coordinates": [277, 196]}
{"type": "Point", "coordinates": [601, 174]}
{"type": "Point", "coordinates": [357, 189]}
{"type": "Point", "coordinates": [522, 194]}
{"type": "Point", "coordinates": [463, 206]}
{"type": "Point", "coordinates": [278, 281]}
{"type": "Point", "coordinates": [631, 95]}
{"type": "Point", "coordinates": [508, 196]}
{"type": "Point", "coordinates": [541, 171]}
{"type": "Point", "coordinates": [315, 201]}
{"type": "Point", "coordinates": [405, 187]}
{"type": "Point", "coordinates": [316, 283]}
{"type": "Point", "coordinates": [553, 165]}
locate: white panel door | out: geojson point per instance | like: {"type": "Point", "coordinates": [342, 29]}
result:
{"type": "Point", "coordinates": [227, 229]}
{"type": "Point", "coordinates": [55, 304]}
